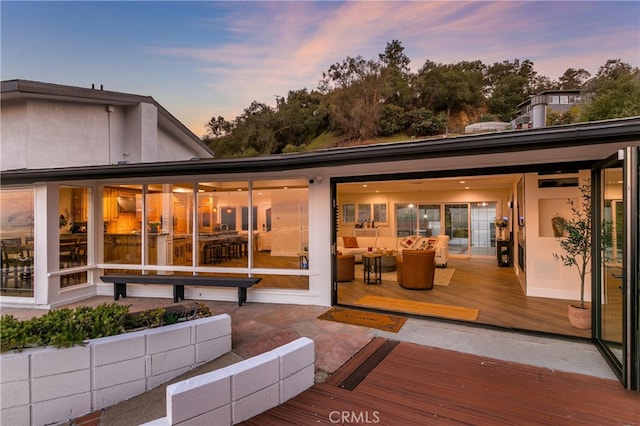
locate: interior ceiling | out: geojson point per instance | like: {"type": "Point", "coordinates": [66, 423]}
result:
{"type": "Point", "coordinates": [424, 185]}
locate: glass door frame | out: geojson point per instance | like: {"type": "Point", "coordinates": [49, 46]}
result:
{"type": "Point", "coordinates": [449, 228]}
{"type": "Point", "coordinates": [628, 368]}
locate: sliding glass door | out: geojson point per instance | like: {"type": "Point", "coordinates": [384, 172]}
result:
{"type": "Point", "coordinates": [615, 264]}
{"type": "Point", "coordinates": [456, 222]}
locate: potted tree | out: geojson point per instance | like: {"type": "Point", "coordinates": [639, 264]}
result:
{"type": "Point", "coordinates": [576, 244]}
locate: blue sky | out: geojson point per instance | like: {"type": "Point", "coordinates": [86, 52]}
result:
{"type": "Point", "coordinates": [203, 59]}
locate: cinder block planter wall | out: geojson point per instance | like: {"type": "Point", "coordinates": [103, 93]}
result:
{"type": "Point", "coordinates": [243, 390]}
{"type": "Point", "coordinates": [50, 385]}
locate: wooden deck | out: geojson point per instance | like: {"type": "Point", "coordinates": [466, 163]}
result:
{"type": "Point", "coordinates": [420, 385]}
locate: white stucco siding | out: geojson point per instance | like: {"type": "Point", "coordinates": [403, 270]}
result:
{"type": "Point", "coordinates": [14, 134]}
{"type": "Point", "coordinates": [39, 133]}
{"type": "Point", "coordinates": [65, 134]}
{"type": "Point", "coordinates": [170, 150]}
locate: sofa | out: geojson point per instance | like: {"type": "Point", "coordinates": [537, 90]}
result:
{"type": "Point", "coordinates": [395, 245]}
{"type": "Point", "coordinates": [416, 269]}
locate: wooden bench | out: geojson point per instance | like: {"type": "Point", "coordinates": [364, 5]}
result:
{"type": "Point", "coordinates": [178, 282]}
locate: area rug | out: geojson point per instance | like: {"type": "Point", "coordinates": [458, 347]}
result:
{"type": "Point", "coordinates": [382, 322]}
{"type": "Point", "coordinates": [419, 308]}
{"type": "Point", "coordinates": [442, 276]}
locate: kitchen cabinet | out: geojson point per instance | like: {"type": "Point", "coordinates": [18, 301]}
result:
{"type": "Point", "coordinates": [109, 204]}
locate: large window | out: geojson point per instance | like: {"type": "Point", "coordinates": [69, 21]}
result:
{"type": "Point", "coordinates": [74, 221]}
{"type": "Point", "coordinates": [219, 227]}
{"type": "Point", "coordinates": [364, 214]}
{"type": "Point", "coordinates": [122, 215]}
{"type": "Point", "coordinates": [406, 220]}
{"type": "Point", "coordinates": [16, 242]}
{"type": "Point", "coordinates": [168, 224]}
{"type": "Point", "coordinates": [283, 230]}
{"type": "Point", "coordinates": [220, 241]}
{"type": "Point", "coordinates": [429, 219]}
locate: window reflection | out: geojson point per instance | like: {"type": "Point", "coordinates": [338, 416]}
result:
{"type": "Point", "coordinates": [122, 215]}
{"type": "Point", "coordinates": [74, 216]}
{"type": "Point", "coordinates": [169, 211]}
{"type": "Point", "coordinates": [282, 210]}
{"type": "Point", "coordinates": [220, 241]}
{"type": "Point", "coordinates": [209, 224]}
{"type": "Point", "coordinates": [16, 242]}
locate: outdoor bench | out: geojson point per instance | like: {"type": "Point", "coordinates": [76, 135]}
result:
{"type": "Point", "coordinates": [178, 282]}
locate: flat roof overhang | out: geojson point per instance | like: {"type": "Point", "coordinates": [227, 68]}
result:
{"type": "Point", "coordinates": [576, 135]}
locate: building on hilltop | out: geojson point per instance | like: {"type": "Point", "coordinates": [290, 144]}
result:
{"type": "Point", "coordinates": [533, 111]}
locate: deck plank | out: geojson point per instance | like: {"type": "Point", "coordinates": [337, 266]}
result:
{"type": "Point", "coordinates": [417, 384]}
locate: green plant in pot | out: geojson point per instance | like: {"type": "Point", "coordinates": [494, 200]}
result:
{"type": "Point", "coordinates": [576, 244]}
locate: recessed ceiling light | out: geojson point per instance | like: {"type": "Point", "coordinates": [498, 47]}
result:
{"type": "Point", "coordinates": [466, 187]}
{"type": "Point", "coordinates": [364, 185]}
{"type": "Point", "coordinates": [462, 181]}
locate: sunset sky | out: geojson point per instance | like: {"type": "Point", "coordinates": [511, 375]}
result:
{"type": "Point", "coordinates": [203, 59]}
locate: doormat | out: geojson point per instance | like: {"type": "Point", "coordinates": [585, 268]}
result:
{"type": "Point", "coordinates": [419, 308]}
{"type": "Point", "coordinates": [382, 322]}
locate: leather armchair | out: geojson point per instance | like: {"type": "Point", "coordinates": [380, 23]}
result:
{"type": "Point", "coordinates": [416, 269]}
{"type": "Point", "coordinates": [345, 268]}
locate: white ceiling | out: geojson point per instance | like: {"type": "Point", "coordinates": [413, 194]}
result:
{"type": "Point", "coordinates": [439, 184]}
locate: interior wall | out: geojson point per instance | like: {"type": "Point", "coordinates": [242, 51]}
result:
{"type": "Point", "coordinates": [547, 277]}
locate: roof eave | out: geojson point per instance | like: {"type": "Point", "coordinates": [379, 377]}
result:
{"type": "Point", "coordinates": [488, 143]}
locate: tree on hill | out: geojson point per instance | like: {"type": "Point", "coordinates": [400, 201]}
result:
{"type": "Point", "coordinates": [613, 93]}
{"type": "Point", "coordinates": [299, 118]}
{"type": "Point", "coordinates": [573, 79]}
{"type": "Point", "coordinates": [451, 88]}
{"type": "Point", "coordinates": [353, 92]}
{"type": "Point", "coordinates": [359, 99]}
{"type": "Point", "coordinates": [395, 75]}
{"type": "Point", "coordinates": [508, 84]}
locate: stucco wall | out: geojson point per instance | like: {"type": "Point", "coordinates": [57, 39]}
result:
{"type": "Point", "coordinates": [40, 133]}
{"type": "Point", "coordinates": [547, 277]}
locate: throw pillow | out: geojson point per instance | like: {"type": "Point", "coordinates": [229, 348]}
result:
{"type": "Point", "coordinates": [431, 243]}
{"type": "Point", "coordinates": [421, 244]}
{"type": "Point", "coordinates": [407, 241]}
{"type": "Point", "coordinates": [350, 242]}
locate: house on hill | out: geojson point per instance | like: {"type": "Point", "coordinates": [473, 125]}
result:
{"type": "Point", "coordinates": [97, 182]}
{"type": "Point", "coordinates": [533, 111]}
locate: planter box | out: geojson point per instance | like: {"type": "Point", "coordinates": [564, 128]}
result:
{"type": "Point", "coordinates": [51, 385]}
{"type": "Point", "coordinates": [243, 390]}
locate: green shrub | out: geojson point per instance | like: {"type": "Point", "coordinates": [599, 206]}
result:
{"type": "Point", "coordinates": [62, 327]}
{"type": "Point", "coordinates": [66, 327]}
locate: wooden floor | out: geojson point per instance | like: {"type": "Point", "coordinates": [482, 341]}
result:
{"type": "Point", "coordinates": [420, 385]}
{"type": "Point", "coordinates": [479, 283]}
